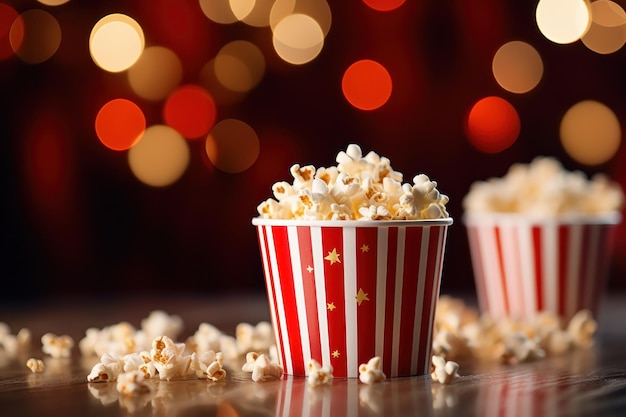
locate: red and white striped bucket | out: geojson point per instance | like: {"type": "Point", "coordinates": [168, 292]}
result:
{"type": "Point", "coordinates": [342, 292]}
{"type": "Point", "coordinates": [525, 265]}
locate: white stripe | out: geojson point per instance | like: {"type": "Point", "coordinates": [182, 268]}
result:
{"type": "Point", "coordinates": [435, 295]}
{"type": "Point", "coordinates": [479, 275]}
{"type": "Point", "coordinates": [296, 264]}
{"type": "Point", "coordinates": [510, 261]}
{"type": "Point", "coordinates": [592, 267]}
{"type": "Point", "coordinates": [320, 289]}
{"type": "Point", "coordinates": [527, 263]}
{"type": "Point", "coordinates": [397, 301]}
{"type": "Point", "coordinates": [493, 283]}
{"type": "Point", "coordinates": [279, 302]}
{"type": "Point", "coordinates": [350, 291]}
{"type": "Point", "coordinates": [574, 255]}
{"type": "Point", "coordinates": [381, 289]}
{"type": "Point", "coordinates": [550, 265]}
{"type": "Point", "coordinates": [419, 298]}
{"type": "Point", "coordinates": [262, 230]}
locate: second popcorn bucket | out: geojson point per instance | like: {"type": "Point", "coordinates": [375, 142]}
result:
{"type": "Point", "coordinates": [352, 257]}
{"type": "Point", "coordinates": [342, 292]}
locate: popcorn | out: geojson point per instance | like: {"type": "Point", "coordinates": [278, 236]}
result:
{"type": "Point", "coordinates": [140, 361]}
{"type": "Point", "coordinates": [168, 358]}
{"type": "Point", "coordinates": [209, 365]}
{"type": "Point", "coordinates": [520, 348]}
{"type": "Point", "coordinates": [358, 188]}
{"type": "Point", "coordinates": [262, 368]}
{"type": "Point", "coordinates": [160, 323]}
{"type": "Point", "coordinates": [132, 383]}
{"type": "Point", "coordinates": [582, 328]}
{"type": "Point", "coordinates": [12, 344]}
{"type": "Point", "coordinates": [100, 373]}
{"type": "Point", "coordinates": [371, 372]}
{"type": "Point", "coordinates": [444, 372]}
{"type": "Point", "coordinates": [318, 374]}
{"type": "Point", "coordinates": [57, 346]}
{"type": "Point", "coordinates": [544, 187]}
{"type": "Point", "coordinates": [35, 365]}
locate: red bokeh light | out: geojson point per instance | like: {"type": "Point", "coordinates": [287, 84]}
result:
{"type": "Point", "coordinates": [190, 110]}
{"type": "Point", "coordinates": [120, 123]}
{"type": "Point", "coordinates": [8, 16]}
{"type": "Point", "coordinates": [492, 124]}
{"type": "Point", "coordinates": [384, 5]}
{"type": "Point", "coordinates": [366, 84]}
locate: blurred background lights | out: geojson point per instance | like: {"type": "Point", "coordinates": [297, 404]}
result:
{"type": "Point", "coordinates": [298, 39]}
{"type": "Point", "coordinates": [239, 66]}
{"type": "Point", "coordinates": [53, 2]}
{"type": "Point", "coordinates": [319, 10]}
{"type": "Point", "coordinates": [563, 21]}
{"type": "Point", "coordinates": [219, 11]}
{"type": "Point", "coordinates": [221, 95]}
{"type": "Point", "coordinates": [116, 42]}
{"type": "Point", "coordinates": [366, 84]}
{"type": "Point", "coordinates": [384, 5]}
{"type": "Point", "coordinates": [517, 67]}
{"type": "Point", "coordinates": [35, 36]}
{"type": "Point", "coordinates": [590, 132]}
{"type": "Point", "coordinates": [242, 8]}
{"type": "Point", "coordinates": [492, 124]}
{"type": "Point", "coordinates": [607, 33]}
{"type": "Point", "coordinates": [160, 158]}
{"type": "Point", "coordinates": [232, 146]}
{"type": "Point", "coordinates": [7, 16]}
{"type": "Point", "coordinates": [259, 16]}
{"type": "Point", "coordinates": [157, 72]}
{"type": "Point", "coordinates": [120, 123]}
{"type": "Point", "coordinates": [190, 110]}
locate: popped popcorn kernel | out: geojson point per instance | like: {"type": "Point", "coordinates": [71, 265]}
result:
{"type": "Point", "coordinates": [168, 359]}
{"type": "Point", "coordinates": [57, 346]}
{"type": "Point", "coordinates": [100, 373]}
{"type": "Point", "coordinates": [35, 365]}
{"type": "Point", "coordinates": [358, 188]}
{"type": "Point", "coordinates": [318, 374]}
{"type": "Point", "coordinates": [371, 372]}
{"type": "Point", "coordinates": [264, 369]}
{"type": "Point", "coordinates": [444, 372]}
{"type": "Point", "coordinates": [132, 383]}
{"type": "Point", "coordinates": [582, 328]}
{"type": "Point", "coordinates": [209, 365]}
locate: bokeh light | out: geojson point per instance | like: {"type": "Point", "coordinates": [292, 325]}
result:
{"type": "Point", "coordinates": [7, 16]}
{"type": "Point", "coordinates": [232, 146]}
{"type": "Point", "coordinates": [590, 132]}
{"type": "Point", "coordinates": [319, 10]}
{"type": "Point", "coordinates": [219, 11]}
{"type": "Point", "coordinates": [35, 36]}
{"type": "Point", "coordinates": [241, 8]}
{"type": "Point", "coordinates": [160, 158]}
{"type": "Point", "coordinates": [492, 124]}
{"type": "Point", "coordinates": [53, 2]}
{"type": "Point", "coordinates": [517, 67]}
{"type": "Point", "coordinates": [563, 21]}
{"type": "Point", "coordinates": [259, 14]}
{"type": "Point", "coordinates": [366, 84]}
{"type": "Point", "coordinates": [120, 123]}
{"type": "Point", "coordinates": [384, 5]}
{"type": "Point", "coordinates": [607, 33]}
{"type": "Point", "coordinates": [298, 39]}
{"type": "Point", "coordinates": [116, 42]}
{"type": "Point", "coordinates": [156, 74]}
{"type": "Point", "coordinates": [221, 95]}
{"type": "Point", "coordinates": [239, 66]}
{"type": "Point", "coordinates": [190, 110]}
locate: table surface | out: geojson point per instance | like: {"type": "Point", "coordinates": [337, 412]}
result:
{"type": "Point", "coordinates": [580, 383]}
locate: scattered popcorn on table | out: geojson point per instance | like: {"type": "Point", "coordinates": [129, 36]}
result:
{"type": "Point", "coordinates": [209, 365]}
{"type": "Point", "coordinates": [444, 372]}
{"type": "Point", "coordinates": [57, 346]}
{"type": "Point", "coordinates": [358, 188]}
{"type": "Point", "coordinates": [168, 358]}
{"type": "Point", "coordinates": [12, 344]}
{"type": "Point", "coordinates": [35, 365]}
{"type": "Point", "coordinates": [318, 374]}
{"type": "Point", "coordinates": [132, 383]}
{"type": "Point", "coordinates": [263, 368]}
{"type": "Point", "coordinates": [371, 372]}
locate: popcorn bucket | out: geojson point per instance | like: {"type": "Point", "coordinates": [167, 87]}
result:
{"type": "Point", "coordinates": [525, 265]}
{"type": "Point", "coordinates": [342, 292]}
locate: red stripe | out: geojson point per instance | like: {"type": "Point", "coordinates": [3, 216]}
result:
{"type": "Point", "coordinates": [283, 259]}
{"type": "Point", "coordinates": [537, 246]}
{"type": "Point", "coordinates": [310, 295]}
{"type": "Point", "coordinates": [366, 257]}
{"type": "Point", "coordinates": [479, 277]}
{"type": "Point", "coordinates": [564, 238]}
{"type": "Point", "coordinates": [332, 241]}
{"type": "Point", "coordinates": [505, 295]}
{"type": "Point", "coordinates": [409, 289]}
{"type": "Point", "coordinates": [271, 291]}
{"type": "Point", "coordinates": [432, 275]}
{"type": "Point", "coordinates": [392, 248]}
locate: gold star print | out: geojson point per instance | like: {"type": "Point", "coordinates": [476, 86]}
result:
{"type": "Point", "coordinates": [361, 296]}
{"type": "Point", "coordinates": [331, 306]}
{"type": "Point", "coordinates": [309, 269]}
{"type": "Point", "coordinates": [333, 256]}
{"type": "Point", "coordinates": [365, 248]}
{"type": "Point", "coordinates": [336, 354]}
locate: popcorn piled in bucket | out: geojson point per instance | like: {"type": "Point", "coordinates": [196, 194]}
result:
{"type": "Point", "coordinates": [544, 187]}
{"type": "Point", "coordinates": [358, 188]}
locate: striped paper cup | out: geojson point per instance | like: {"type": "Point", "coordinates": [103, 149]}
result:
{"type": "Point", "coordinates": [342, 292]}
{"type": "Point", "coordinates": [525, 265]}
